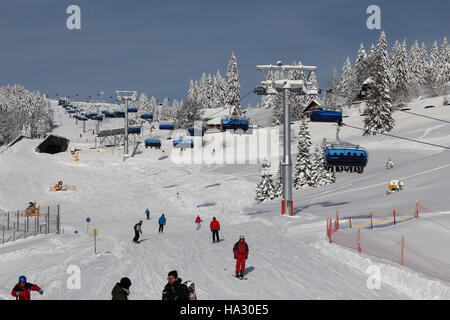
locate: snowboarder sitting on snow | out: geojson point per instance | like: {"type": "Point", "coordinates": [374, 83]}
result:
{"type": "Point", "coordinates": [215, 228]}
{"type": "Point", "coordinates": [162, 222]}
{"type": "Point", "coordinates": [121, 290]}
{"type": "Point", "coordinates": [240, 251]}
{"type": "Point", "coordinates": [22, 290]}
{"type": "Point", "coordinates": [147, 212]}
{"type": "Point", "coordinates": [198, 221]}
{"type": "Point", "coordinates": [137, 231]}
{"type": "Point", "coordinates": [175, 289]}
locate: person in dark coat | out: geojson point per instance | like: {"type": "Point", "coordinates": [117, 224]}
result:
{"type": "Point", "coordinates": [137, 231]}
{"type": "Point", "coordinates": [175, 289]}
{"type": "Point", "coordinates": [121, 290]}
{"type": "Point", "coordinates": [22, 290]}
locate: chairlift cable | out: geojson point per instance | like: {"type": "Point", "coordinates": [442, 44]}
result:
{"type": "Point", "coordinates": [421, 115]}
{"type": "Point", "coordinates": [403, 138]}
{"type": "Point", "coordinates": [245, 95]}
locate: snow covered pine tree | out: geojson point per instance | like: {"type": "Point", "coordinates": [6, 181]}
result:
{"type": "Point", "coordinates": [265, 189]}
{"type": "Point", "coordinates": [303, 166]}
{"type": "Point", "coordinates": [379, 109]}
{"type": "Point", "coordinates": [279, 182]}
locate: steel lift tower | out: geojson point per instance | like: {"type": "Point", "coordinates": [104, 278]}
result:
{"type": "Point", "coordinates": [286, 87]}
{"type": "Point", "coordinates": [127, 96]}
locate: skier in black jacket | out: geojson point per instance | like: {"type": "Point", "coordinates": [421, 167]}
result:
{"type": "Point", "coordinates": [121, 290]}
{"type": "Point", "coordinates": [175, 289]}
{"type": "Point", "coordinates": [137, 230]}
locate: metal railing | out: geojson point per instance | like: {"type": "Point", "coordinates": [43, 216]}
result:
{"type": "Point", "coordinates": [19, 224]}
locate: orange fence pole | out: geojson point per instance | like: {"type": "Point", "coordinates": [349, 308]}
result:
{"type": "Point", "coordinates": [394, 217]}
{"type": "Point", "coordinates": [331, 233]}
{"type": "Point", "coordinates": [328, 231]}
{"type": "Point", "coordinates": [337, 220]}
{"type": "Point", "coordinates": [359, 240]}
{"type": "Point", "coordinates": [403, 250]}
{"type": "Point", "coordinates": [417, 209]}
{"type": "Point", "coordinates": [350, 219]}
{"type": "Point", "coordinates": [371, 222]}
{"type": "Point", "coordinates": [282, 207]}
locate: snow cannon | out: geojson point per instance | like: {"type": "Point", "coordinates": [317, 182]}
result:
{"type": "Point", "coordinates": [394, 186]}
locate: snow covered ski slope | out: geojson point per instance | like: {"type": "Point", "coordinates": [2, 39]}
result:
{"type": "Point", "coordinates": [290, 257]}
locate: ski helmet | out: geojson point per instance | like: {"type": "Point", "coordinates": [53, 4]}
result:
{"type": "Point", "coordinates": [214, 218]}
{"type": "Point", "coordinates": [22, 279]}
{"type": "Point", "coordinates": [241, 237]}
{"type": "Point", "coordinates": [140, 221]}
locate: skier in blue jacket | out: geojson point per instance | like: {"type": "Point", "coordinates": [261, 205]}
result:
{"type": "Point", "coordinates": [147, 212]}
{"type": "Point", "coordinates": [162, 222]}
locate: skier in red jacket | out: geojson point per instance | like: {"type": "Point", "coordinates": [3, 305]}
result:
{"type": "Point", "coordinates": [22, 290]}
{"type": "Point", "coordinates": [215, 228]}
{"type": "Point", "coordinates": [198, 221]}
{"type": "Point", "coordinates": [240, 251]}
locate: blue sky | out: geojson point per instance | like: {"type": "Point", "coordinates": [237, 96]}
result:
{"type": "Point", "coordinates": [156, 47]}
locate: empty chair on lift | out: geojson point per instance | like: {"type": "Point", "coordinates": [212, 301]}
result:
{"type": "Point", "coordinates": [345, 158]}
{"type": "Point", "coordinates": [325, 116]}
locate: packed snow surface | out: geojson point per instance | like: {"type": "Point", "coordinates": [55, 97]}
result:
{"type": "Point", "coordinates": [290, 257]}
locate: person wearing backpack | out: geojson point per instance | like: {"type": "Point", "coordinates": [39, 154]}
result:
{"type": "Point", "coordinates": [175, 290]}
